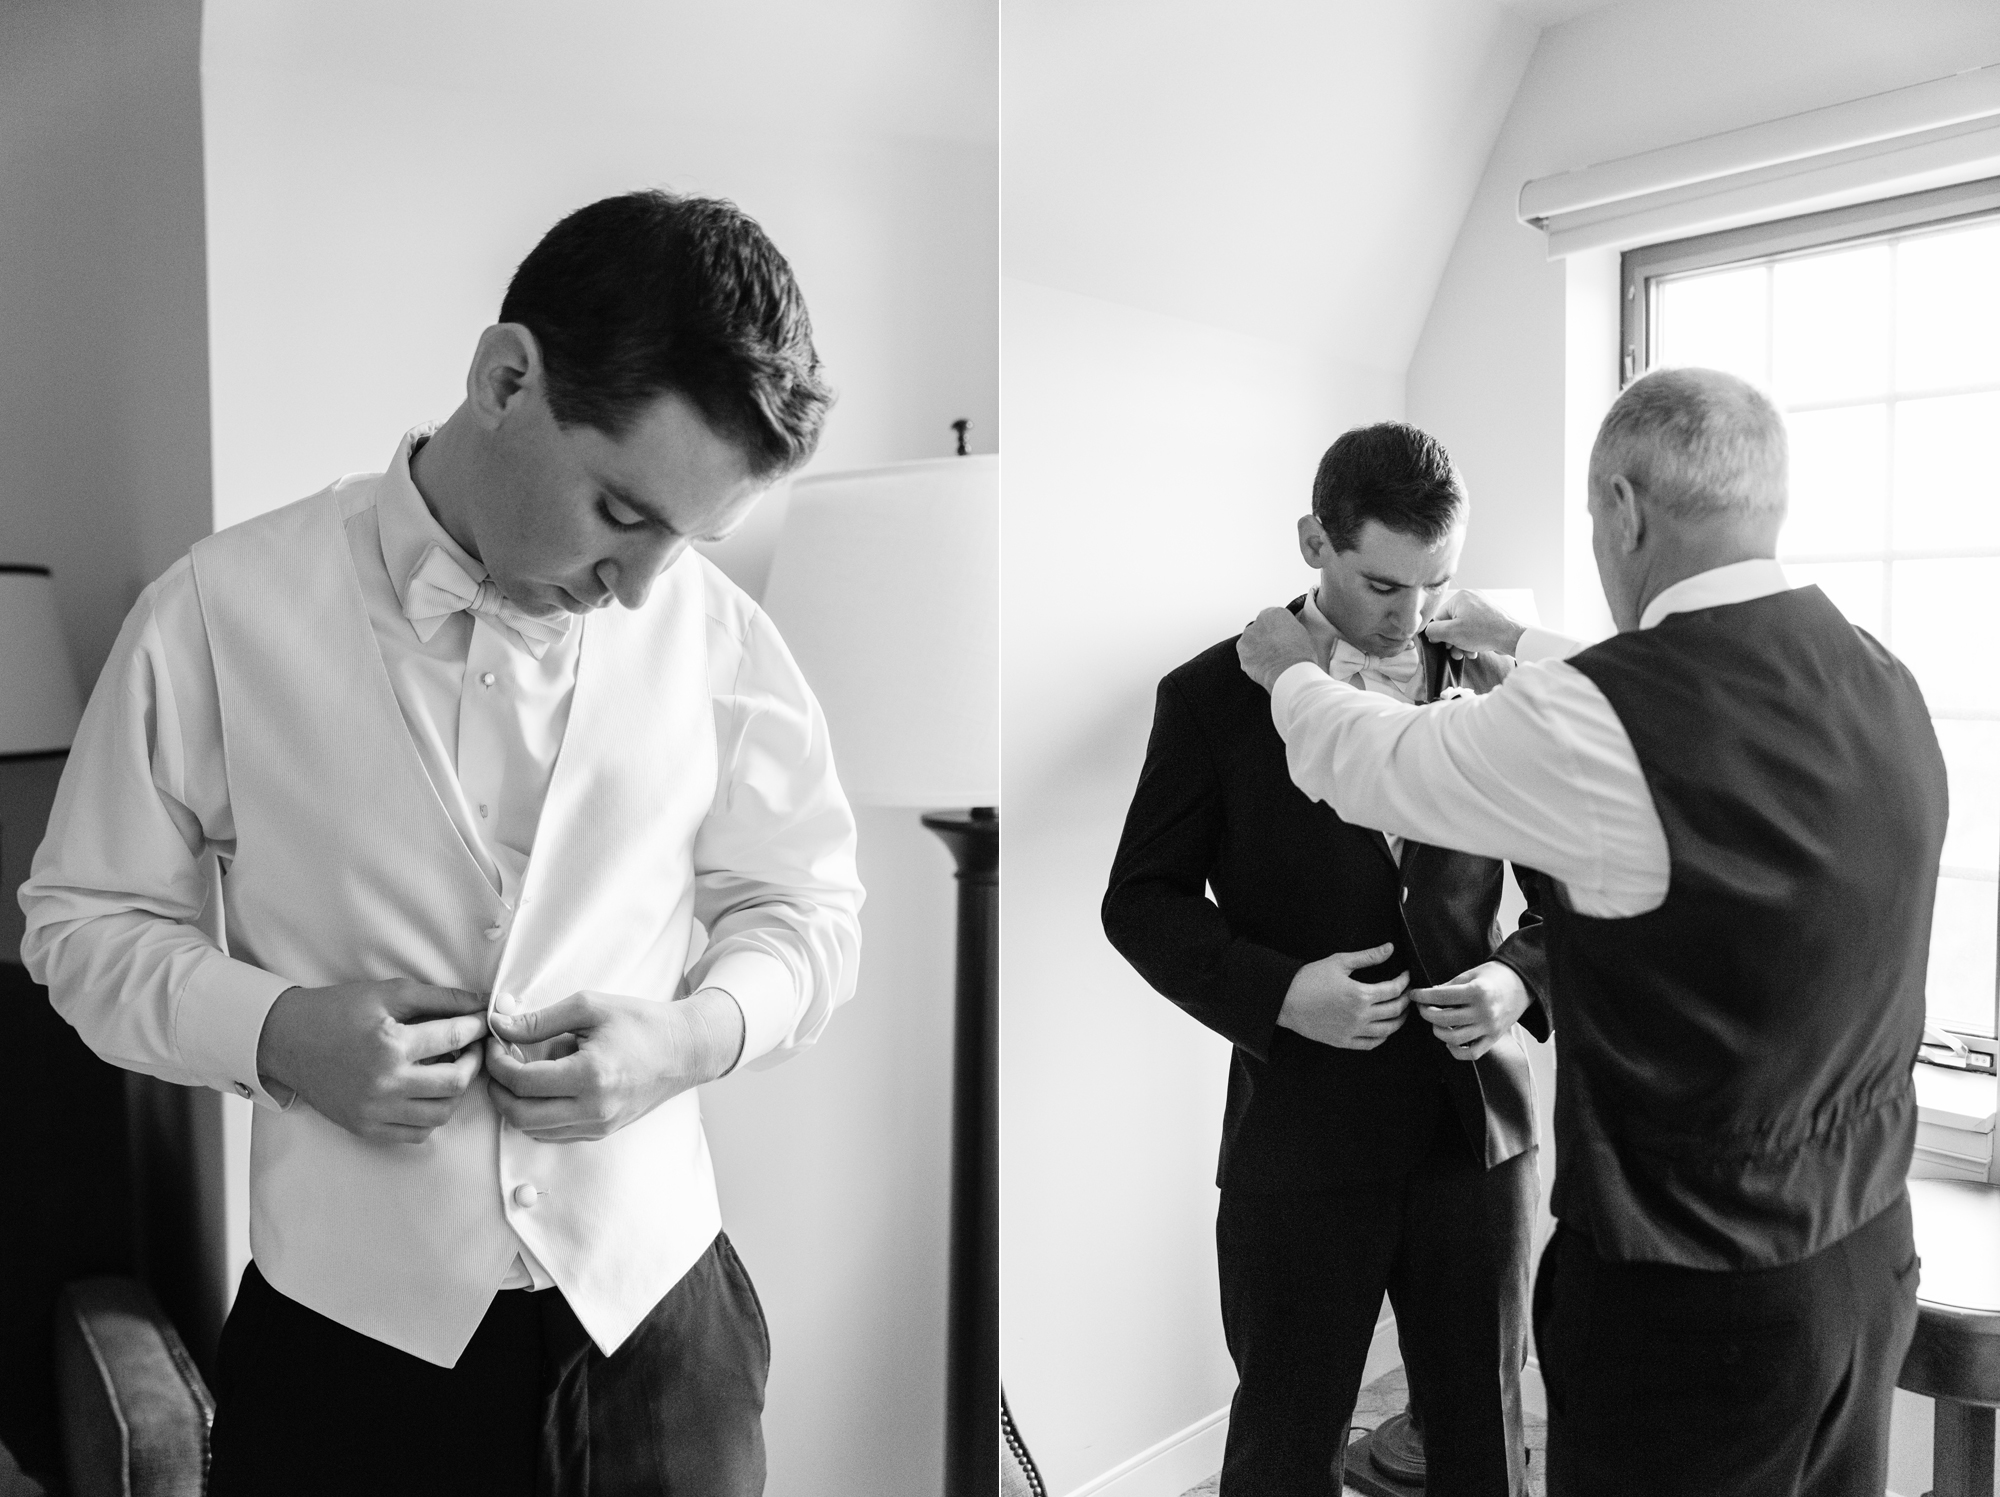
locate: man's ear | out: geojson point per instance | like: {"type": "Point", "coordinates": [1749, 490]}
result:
{"type": "Point", "coordinates": [1627, 513]}
{"type": "Point", "coordinates": [1315, 545]}
{"type": "Point", "coordinates": [506, 368]}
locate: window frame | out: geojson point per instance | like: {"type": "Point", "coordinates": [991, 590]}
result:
{"type": "Point", "coordinates": [1641, 270]}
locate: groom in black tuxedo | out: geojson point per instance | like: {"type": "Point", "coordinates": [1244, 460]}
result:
{"type": "Point", "coordinates": [1379, 1131]}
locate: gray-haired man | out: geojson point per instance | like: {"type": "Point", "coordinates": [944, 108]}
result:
{"type": "Point", "coordinates": [1740, 803]}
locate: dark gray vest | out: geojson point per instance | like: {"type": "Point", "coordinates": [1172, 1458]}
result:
{"type": "Point", "coordinates": [1734, 1067]}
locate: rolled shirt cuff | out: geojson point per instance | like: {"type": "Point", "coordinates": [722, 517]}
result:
{"type": "Point", "coordinates": [764, 990]}
{"type": "Point", "coordinates": [1537, 643]}
{"type": "Point", "coordinates": [218, 1022]}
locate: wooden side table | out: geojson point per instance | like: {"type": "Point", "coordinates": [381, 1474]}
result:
{"type": "Point", "coordinates": [1955, 1355]}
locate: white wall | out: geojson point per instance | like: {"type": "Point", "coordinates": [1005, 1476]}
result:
{"type": "Point", "coordinates": [1518, 359]}
{"type": "Point", "coordinates": [103, 445]}
{"type": "Point", "coordinates": [373, 183]}
{"type": "Point", "coordinates": [1289, 169]}
{"type": "Point", "coordinates": [1224, 224]}
{"type": "Point", "coordinates": [375, 172]}
{"type": "Point", "coordinates": [1491, 373]}
{"type": "Point", "coordinates": [1155, 468]}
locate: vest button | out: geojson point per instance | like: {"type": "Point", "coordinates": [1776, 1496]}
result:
{"type": "Point", "coordinates": [525, 1196]}
{"type": "Point", "coordinates": [486, 678]}
{"type": "Point", "coordinates": [495, 931]}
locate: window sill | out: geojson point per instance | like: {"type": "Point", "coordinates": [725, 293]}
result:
{"type": "Point", "coordinates": [1955, 1113]}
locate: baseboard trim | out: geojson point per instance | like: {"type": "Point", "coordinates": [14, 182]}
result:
{"type": "Point", "coordinates": [1193, 1454]}
{"type": "Point", "coordinates": [1168, 1468]}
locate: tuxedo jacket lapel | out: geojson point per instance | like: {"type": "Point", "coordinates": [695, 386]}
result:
{"type": "Point", "coordinates": [1440, 672]}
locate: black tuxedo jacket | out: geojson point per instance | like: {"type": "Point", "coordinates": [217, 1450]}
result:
{"type": "Point", "coordinates": [1216, 811]}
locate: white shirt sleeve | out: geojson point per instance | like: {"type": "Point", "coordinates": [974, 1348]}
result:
{"type": "Point", "coordinates": [1537, 643]}
{"type": "Point", "coordinates": [118, 883]}
{"type": "Point", "coordinates": [775, 880]}
{"type": "Point", "coordinates": [1538, 771]}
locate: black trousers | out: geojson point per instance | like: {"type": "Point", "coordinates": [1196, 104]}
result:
{"type": "Point", "coordinates": [305, 1406]}
{"type": "Point", "coordinates": [1773, 1383]}
{"type": "Point", "coordinates": [1303, 1275]}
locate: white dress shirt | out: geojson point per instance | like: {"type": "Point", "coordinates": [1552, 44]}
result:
{"type": "Point", "coordinates": [117, 886]}
{"type": "Point", "coordinates": [1403, 687]}
{"type": "Point", "coordinates": [1538, 771]}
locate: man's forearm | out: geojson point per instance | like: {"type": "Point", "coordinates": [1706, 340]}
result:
{"type": "Point", "coordinates": [1479, 774]}
{"type": "Point", "coordinates": [716, 1029]}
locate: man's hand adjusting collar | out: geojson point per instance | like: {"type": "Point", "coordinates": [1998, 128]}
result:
{"type": "Point", "coordinates": [1274, 643]}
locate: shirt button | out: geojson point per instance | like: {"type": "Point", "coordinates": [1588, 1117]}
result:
{"type": "Point", "coordinates": [495, 931]}
{"type": "Point", "coordinates": [482, 811]}
{"type": "Point", "coordinates": [486, 678]}
{"type": "Point", "coordinates": [524, 1196]}
{"type": "Point", "coordinates": [242, 1090]}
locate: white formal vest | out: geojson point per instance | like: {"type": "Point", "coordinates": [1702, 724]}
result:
{"type": "Point", "coordinates": [348, 867]}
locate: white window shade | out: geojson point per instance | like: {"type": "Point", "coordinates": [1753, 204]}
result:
{"type": "Point", "coordinates": [1934, 134]}
{"type": "Point", "coordinates": [886, 586]}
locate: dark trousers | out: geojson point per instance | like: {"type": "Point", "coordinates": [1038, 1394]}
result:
{"type": "Point", "coordinates": [1772, 1383]}
{"type": "Point", "coordinates": [1303, 1275]}
{"type": "Point", "coordinates": [305, 1406]}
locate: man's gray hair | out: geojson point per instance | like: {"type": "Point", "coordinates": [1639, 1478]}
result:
{"type": "Point", "coordinates": [1697, 442]}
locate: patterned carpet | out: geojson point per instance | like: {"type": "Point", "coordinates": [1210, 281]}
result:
{"type": "Point", "coordinates": [1386, 1396]}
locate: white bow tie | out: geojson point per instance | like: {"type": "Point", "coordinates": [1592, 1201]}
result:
{"type": "Point", "coordinates": [1402, 669]}
{"type": "Point", "coordinates": [439, 587]}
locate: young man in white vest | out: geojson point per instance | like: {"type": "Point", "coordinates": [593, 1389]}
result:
{"type": "Point", "coordinates": [469, 814]}
{"type": "Point", "coordinates": [1740, 803]}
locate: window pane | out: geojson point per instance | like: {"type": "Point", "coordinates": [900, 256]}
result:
{"type": "Point", "coordinates": [1941, 613]}
{"type": "Point", "coordinates": [1854, 586]}
{"type": "Point", "coordinates": [1830, 325]}
{"type": "Point", "coordinates": [1963, 931]}
{"type": "Point", "coordinates": [1716, 320]}
{"type": "Point", "coordinates": [1947, 487]}
{"type": "Point", "coordinates": [1839, 482]}
{"type": "Point", "coordinates": [1948, 308]}
{"type": "Point", "coordinates": [1972, 762]}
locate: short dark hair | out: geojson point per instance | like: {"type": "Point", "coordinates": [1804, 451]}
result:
{"type": "Point", "coordinates": [1391, 473]}
{"type": "Point", "coordinates": [651, 293]}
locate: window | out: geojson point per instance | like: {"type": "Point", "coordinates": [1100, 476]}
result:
{"type": "Point", "coordinates": [1877, 330]}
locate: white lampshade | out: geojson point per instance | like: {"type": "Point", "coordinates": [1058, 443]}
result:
{"type": "Point", "coordinates": [886, 586]}
{"type": "Point", "coordinates": [39, 703]}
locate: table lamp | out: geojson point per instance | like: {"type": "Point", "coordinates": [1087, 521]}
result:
{"type": "Point", "coordinates": [886, 585]}
{"type": "Point", "coordinates": [39, 703]}
{"type": "Point", "coordinates": [39, 709]}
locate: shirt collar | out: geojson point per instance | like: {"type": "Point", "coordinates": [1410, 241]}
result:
{"type": "Point", "coordinates": [1739, 582]}
{"type": "Point", "coordinates": [1322, 633]}
{"type": "Point", "coordinates": [1325, 638]}
{"type": "Point", "coordinates": [407, 526]}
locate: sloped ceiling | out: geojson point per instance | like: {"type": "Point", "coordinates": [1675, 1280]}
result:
{"type": "Point", "coordinates": [1553, 12]}
{"type": "Point", "coordinates": [1292, 169]}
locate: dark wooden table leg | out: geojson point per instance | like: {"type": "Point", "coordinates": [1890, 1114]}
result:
{"type": "Point", "coordinates": [1961, 1450]}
